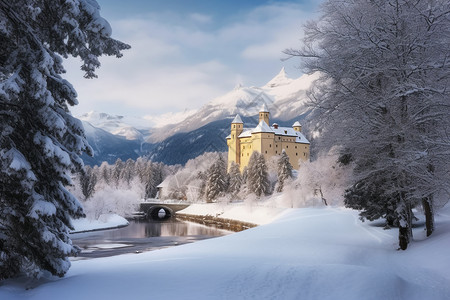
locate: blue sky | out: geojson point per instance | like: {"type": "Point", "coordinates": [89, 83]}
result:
{"type": "Point", "coordinates": [185, 53]}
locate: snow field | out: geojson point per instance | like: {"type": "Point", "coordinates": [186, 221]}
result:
{"type": "Point", "coordinates": [310, 253]}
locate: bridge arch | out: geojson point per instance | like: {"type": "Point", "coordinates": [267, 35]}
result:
{"type": "Point", "coordinates": [153, 212]}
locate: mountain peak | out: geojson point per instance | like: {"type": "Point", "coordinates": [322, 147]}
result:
{"type": "Point", "coordinates": [280, 79]}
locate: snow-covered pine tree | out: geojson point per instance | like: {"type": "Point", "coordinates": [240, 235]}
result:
{"type": "Point", "coordinates": [258, 177]}
{"type": "Point", "coordinates": [155, 175]}
{"type": "Point", "coordinates": [383, 96]}
{"type": "Point", "coordinates": [217, 180]}
{"type": "Point", "coordinates": [40, 141]}
{"type": "Point", "coordinates": [235, 179]}
{"type": "Point", "coordinates": [104, 174]}
{"type": "Point", "coordinates": [88, 180]}
{"type": "Point", "coordinates": [116, 172]}
{"type": "Point", "coordinates": [128, 173]}
{"type": "Point", "coordinates": [284, 170]}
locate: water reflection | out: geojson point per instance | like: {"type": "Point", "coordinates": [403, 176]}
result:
{"type": "Point", "coordinates": [142, 235]}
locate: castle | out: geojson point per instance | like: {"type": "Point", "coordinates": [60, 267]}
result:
{"type": "Point", "coordinates": [268, 140]}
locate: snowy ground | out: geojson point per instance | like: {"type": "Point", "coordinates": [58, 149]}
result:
{"type": "Point", "coordinates": [105, 221]}
{"type": "Point", "coordinates": [311, 253]}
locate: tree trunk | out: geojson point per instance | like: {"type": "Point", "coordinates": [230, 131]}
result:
{"type": "Point", "coordinates": [429, 215]}
{"type": "Point", "coordinates": [405, 227]}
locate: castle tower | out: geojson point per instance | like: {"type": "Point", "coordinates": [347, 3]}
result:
{"type": "Point", "coordinates": [264, 114]}
{"type": "Point", "coordinates": [234, 152]}
{"type": "Point", "coordinates": [297, 126]}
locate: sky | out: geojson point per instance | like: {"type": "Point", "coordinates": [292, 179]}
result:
{"type": "Point", "coordinates": [186, 53]}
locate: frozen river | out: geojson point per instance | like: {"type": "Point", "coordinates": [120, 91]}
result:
{"type": "Point", "coordinates": [141, 236]}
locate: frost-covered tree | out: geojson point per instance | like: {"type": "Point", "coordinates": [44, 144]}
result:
{"type": "Point", "coordinates": [216, 183]}
{"type": "Point", "coordinates": [40, 141]}
{"type": "Point", "coordinates": [258, 181]}
{"type": "Point", "coordinates": [284, 170]}
{"type": "Point", "coordinates": [235, 179]}
{"type": "Point", "coordinates": [383, 96]}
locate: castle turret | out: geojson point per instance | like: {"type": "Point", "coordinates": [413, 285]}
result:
{"type": "Point", "coordinates": [237, 126]}
{"type": "Point", "coordinates": [264, 114]}
{"type": "Point", "coordinates": [297, 126]}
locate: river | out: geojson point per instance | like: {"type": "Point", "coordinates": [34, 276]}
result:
{"type": "Point", "coordinates": [140, 236]}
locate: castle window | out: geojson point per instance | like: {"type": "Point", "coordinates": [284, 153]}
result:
{"type": "Point", "coordinates": [234, 126]}
{"type": "Point", "coordinates": [247, 154]}
{"type": "Point", "coordinates": [285, 132]}
{"type": "Point", "coordinates": [287, 146]}
{"type": "Point", "coordinates": [270, 145]}
{"type": "Point", "coordinates": [232, 136]}
{"type": "Point", "coordinates": [266, 151]}
{"type": "Point", "coordinates": [295, 147]}
{"type": "Point", "coordinates": [296, 154]}
{"type": "Point", "coordinates": [276, 152]}
{"type": "Point", "coordinates": [243, 147]}
{"type": "Point", "coordinates": [276, 146]}
{"type": "Point", "coordinates": [279, 138]}
{"type": "Point", "coordinates": [304, 154]}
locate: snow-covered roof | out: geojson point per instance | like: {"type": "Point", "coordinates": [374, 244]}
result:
{"type": "Point", "coordinates": [297, 124]}
{"type": "Point", "coordinates": [262, 127]}
{"type": "Point", "coordinates": [264, 108]}
{"type": "Point", "coordinates": [280, 131]}
{"type": "Point", "coordinates": [237, 120]}
{"type": "Point", "coordinates": [246, 133]}
{"type": "Point", "coordinates": [288, 131]}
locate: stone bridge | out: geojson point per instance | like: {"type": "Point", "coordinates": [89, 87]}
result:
{"type": "Point", "coordinates": [152, 209]}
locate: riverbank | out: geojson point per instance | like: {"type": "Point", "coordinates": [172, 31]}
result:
{"type": "Point", "coordinates": [250, 215]}
{"type": "Point", "coordinates": [105, 221]}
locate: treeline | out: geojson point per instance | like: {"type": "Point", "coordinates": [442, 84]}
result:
{"type": "Point", "coordinates": [118, 188]}
{"type": "Point", "coordinates": [205, 179]}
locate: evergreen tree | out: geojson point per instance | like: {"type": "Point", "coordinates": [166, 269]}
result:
{"type": "Point", "coordinates": [116, 172]}
{"type": "Point", "coordinates": [258, 177]}
{"type": "Point", "coordinates": [128, 172]}
{"type": "Point", "coordinates": [284, 170]}
{"type": "Point", "coordinates": [217, 180]}
{"type": "Point", "coordinates": [383, 97]}
{"type": "Point", "coordinates": [235, 179]}
{"type": "Point", "coordinates": [88, 180]}
{"type": "Point", "coordinates": [40, 141]}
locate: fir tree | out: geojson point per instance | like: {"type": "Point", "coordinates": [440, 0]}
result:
{"type": "Point", "coordinates": [216, 184]}
{"type": "Point", "coordinates": [40, 141]}
{"type": "Point", "coordinates": [88, 180]}
{"type": "Point", "coordinates": [235, 179]}
{"type": "Point", "coordinates": [284, 170]}
{"type": "Point", "coordinates": [258, 177]}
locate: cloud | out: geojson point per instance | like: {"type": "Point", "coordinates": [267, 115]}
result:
{"type": "Point", "coordinates": [200, 18]}
{"type": "Point", "coordinates": [178, 62]}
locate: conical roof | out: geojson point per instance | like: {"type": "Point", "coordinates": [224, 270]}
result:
{"type": "Point", "coordinates": [297, 124]}
{"type": "Point", "coordinates": [264, 108]}
{"type": "Point", "coordinates": [237, 120]}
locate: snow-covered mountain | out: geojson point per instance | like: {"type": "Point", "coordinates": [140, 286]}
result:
{"type": "Point", "coordinates": [109, 147]}
{"type": "Point", "coordinates": [127, 127]}
{"type": "Point", "coordinates": [178, 137]}
{"type": "Point", "coordinates": [285, 98]}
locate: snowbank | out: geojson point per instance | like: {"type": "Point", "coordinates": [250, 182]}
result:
{"type": "Point", "coordinates": [105, 221]}
{"type": "Point", "coordinates": [235, 211]}
{"type": "Point", "coordinates": [311, 253]}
